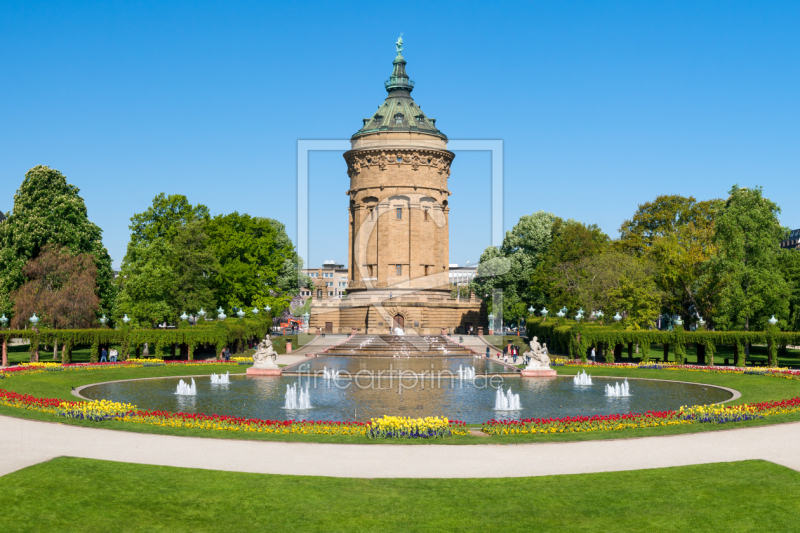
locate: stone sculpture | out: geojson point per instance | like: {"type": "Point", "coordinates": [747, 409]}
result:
{"type": "Point", "coordinates": [539, 360]}
{"type": "Point", "coordinates": [265, 354]}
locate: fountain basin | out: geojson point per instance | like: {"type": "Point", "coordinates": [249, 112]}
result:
{"type": "Point", "coordinates": [270, 372]}
{"type": "Point", "coordinates": [538, 373]}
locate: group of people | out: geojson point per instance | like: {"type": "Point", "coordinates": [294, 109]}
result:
{"type": "Point", "coordinates": [108, 357]}
{"type": "Point", "coordinates": [511, 350]}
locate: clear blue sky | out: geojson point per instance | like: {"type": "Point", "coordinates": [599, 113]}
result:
{"type": "Point", "coordinates": [601, 105]}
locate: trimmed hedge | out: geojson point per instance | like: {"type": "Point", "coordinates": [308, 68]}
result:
{"type": "Point", "coordinates": [232, 333]}
{"type": "Point", "coordinates": [577, 338]}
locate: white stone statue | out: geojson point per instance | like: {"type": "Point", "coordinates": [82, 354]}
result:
{"type": "Point", "coordinates": [265, 354]}
{"type": "Point", "coordinates": [539, 360]}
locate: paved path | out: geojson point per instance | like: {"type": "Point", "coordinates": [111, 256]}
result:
{"type": "Point", "coordinates": [27, 442]}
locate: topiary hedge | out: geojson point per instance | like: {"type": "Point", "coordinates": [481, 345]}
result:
{"type": "Point", "coordinates": [576, 339]}
{"type": "Point", "coordinates": [232, 333]}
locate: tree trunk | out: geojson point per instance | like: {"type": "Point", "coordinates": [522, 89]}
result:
{"type": "Point", "coordinates": [55, 350]}
{"type": "Point", "coordinates": [666, 352]}
{"type": "Point", "coordinates": [5, 352]}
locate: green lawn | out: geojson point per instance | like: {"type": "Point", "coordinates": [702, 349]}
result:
{"type": "Point", "coordinates": [68, 494]}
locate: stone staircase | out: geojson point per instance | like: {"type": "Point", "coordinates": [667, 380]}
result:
{"type": "Point", "coordinates": [398, 346]}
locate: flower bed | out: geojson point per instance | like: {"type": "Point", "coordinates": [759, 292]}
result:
{"type": "Point", "coordinates": [400, 427]}
{"type": "Point", "coordinates": [701, 414]}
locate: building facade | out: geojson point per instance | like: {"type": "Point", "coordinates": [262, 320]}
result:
{"type": "Point", "coordinates": [330, 281]}
{"type": "Point", "coordinates": [793, 241]}
{"type": "Point", "coordinates": [398, 225]}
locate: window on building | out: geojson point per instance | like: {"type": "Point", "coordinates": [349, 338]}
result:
{"type": "Point", "coordinates": [369, 269]}
{"type": "Point", "coordinates": [319, 293]}
{"type": "Point", "coordinates": [329, 284]}
{"type": "Point", "coordinates": [398, 120]}
{"type": "Point", "coordinates": [399, 213]}
{"type": "Point", "coordinates": [426, 215]}
{"type": "Point", "coordinates": [372, 214]}
{"type": "Point", "coordinates": [399, 270]}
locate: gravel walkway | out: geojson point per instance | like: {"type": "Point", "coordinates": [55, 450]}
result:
{"type": "Point", "coordinates": [27, 442]}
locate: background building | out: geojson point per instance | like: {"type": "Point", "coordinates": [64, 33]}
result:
{"type": "Point", "coordinates": [330, 279]}
{"type": "Point", "coordinates": [793, 241]}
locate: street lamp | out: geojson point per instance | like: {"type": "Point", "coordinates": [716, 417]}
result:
{"type": "Point", "coordinates": [184, 316]}
{"type": "Point", "coordinates": [678, 321]}
{"type": "Point", "coordinates": [701, 321]}
{"type": "Point", "coordinates": [103, 319]}
{"type": "Point", "coordinates": [240, 313]}
{"type": "Point", "coordinates": [773, 320]}
{"type": "Point", "coordinates": [34, 319]}
{"type": "Point", "coordinates": [255, 311]}
{"type": "Point", "coordinates": [202, 314]}
{"type": "Point", "coordinates": [599, 315]}
{"type": "Point", "coordinates": [544, 312]}
{"type": "Point", "coordinates": [617, 317]}
{"type": "Point", "coordinates": [221, 315]}
{"type": "Point", "coordinates": [125, 319]}
{"type": "Point", "coordinates": [267, 309]}
{"type": "Point", "coordinates": [580, 311]}
{"type": "Point", "coordinates": [578, 317]}
{"type": "Point", "coordinates": [3, 320]}
{"type": "Point", "coordinates": [561, 313]}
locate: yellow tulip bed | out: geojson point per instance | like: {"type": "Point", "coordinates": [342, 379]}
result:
{"type": "Point", "coordinates": [400, 427]}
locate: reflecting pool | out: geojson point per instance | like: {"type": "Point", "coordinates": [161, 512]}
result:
{"type": "Point", "coordinates": [378, 387]}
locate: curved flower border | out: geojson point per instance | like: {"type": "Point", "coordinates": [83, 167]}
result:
{"type": "Point", "coordinates": [395, 427]}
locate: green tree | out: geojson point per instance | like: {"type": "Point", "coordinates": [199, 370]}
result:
{"type": "Point", "coordinates": [195, 268]}
{"type": "Point", "coordinates": [48, 210]}
{"type": "Point", "coordinates": [510, 268]}
{"type": "Point", "coordinates": [147, 281]}
{"type": "Point", "coordinates": [572, 241]}
{"type": "Point", "coordinates": [161, 279]}
{"type": "Point", "coordinates": [749, 284]}
{"type": "Point", "coordinates": [613, 282]}
{"type": "Point", "coordinates": [258, 263]}
{"type": "Point", "coordinates": [676, 233]}
{"type": "Point", "coordinates": [165, 217]}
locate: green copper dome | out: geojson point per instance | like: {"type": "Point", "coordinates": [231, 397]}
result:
{"type": "Point", "coordinates": [399, 112]}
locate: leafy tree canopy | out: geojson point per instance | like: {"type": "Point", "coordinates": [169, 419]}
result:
{"type": "Point", "coordinates": [510, 267]}
{"type": "Point", "coordinates": [60, 287]}
{"type": "Point", "coordinates": [165, 217]}
{"type": "Point", "coordinates": [572, 241]}
{"type": "Point", "coordinates": [48, 210]}
{"type": "Point", "coordinates": [258, 263]}
{"type": "Point", "coordinates": [749, 287]}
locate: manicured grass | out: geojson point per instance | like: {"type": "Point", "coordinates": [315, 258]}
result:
{"type": "Point", "coordinates": [68, 494]}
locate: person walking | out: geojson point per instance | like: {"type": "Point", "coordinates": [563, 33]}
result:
{"type": "Point", "coordinates": [593, 356]}
{"type": "Point", "coordinates": [113, 355]}
{"type": "Point", "coordinates": [103, 356]}
{"type": "Point", "coordinates": [488, 355]}
{"type": "Point", "coordinates": [514, 354]}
